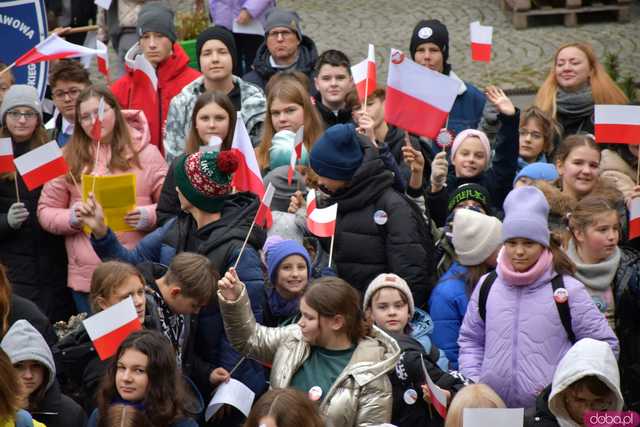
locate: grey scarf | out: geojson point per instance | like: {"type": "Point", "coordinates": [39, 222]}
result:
{"type": "Point", "coordinates": [595, 276]}
{"type": "Point", "coordinates": [578, 103]}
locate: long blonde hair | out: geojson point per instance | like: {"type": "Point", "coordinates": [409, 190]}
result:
{"type": "Point", "coordinates": [80, 151]}
{"type": "Point", "coordinates": [603, 88]}
{"type": "Point", "coordinates": [286, 87]}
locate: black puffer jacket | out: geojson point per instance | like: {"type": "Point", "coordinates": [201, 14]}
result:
{"type": "Point", "coordinates": [626, 288]}
{"type": "Point", "coordinates": [22, 308]}
{"type": "Point", "coordinates": [541, 415]}
{"type": "Point", "coordinates": [328, 116]}
{"type": "Point", "coordinates": [263, 71]}
{"type": "Point", "coordinates": [364, 249]}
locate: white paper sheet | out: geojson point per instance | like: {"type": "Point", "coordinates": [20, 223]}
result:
{"type": "Point", "coordinates": [253, 27]}
{"type": "Point", "coordinates": [105, 4]}
{"type": "Point", "coordinates": [233, 393]}
{"type": "Point", "coordinates": [483, 417]}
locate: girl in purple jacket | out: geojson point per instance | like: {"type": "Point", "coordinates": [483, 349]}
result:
{"type": "Point", "coordinates": [516, 349]}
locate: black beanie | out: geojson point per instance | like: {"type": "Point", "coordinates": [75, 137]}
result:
{"type": "Point", "coordinates": [471, 191]}
{"type": "Point", "coordinates": [156, 17]}
{"type": "Point", "coordinates": [431, 31]}
{"type": "Point", "coordinates": [217, 33]}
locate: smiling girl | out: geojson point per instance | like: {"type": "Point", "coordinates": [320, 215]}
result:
{"type": "Point", "coordinates": [331, 353]}
{"type": "Point", "coordinates": [521, 339]}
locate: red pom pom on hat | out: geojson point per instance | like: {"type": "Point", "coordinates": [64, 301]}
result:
{"type": "Point", "coordinates": [227, 162]}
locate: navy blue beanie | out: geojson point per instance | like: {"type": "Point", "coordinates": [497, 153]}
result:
{"type": "Point", "coordinates": [337, 154]}
{"type": "Point", "coordinates": [278, 252]}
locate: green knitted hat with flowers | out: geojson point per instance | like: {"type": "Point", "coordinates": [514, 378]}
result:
{"type": "Point", "coordinates": [204, 178]}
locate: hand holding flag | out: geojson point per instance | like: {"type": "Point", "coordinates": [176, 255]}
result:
{"type": "Point", "coordinates": [435, 395]}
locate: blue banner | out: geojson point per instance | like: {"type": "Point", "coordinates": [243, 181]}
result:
{"type": "Point", "coordinates": [23, 24]}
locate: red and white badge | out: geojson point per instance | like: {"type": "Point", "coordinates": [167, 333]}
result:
{"type": "Point", "coordinates": [561, 295]}
{"type": "Point", "coordinates": [315, 393]}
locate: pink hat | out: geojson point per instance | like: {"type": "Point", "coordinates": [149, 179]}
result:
{"type": "Point", "coordinates": [457, 142]}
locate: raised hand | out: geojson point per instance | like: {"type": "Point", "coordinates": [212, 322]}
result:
{"type": "Point", "coordinates": [296, 202]}
{"type": "Point", "coordinates": [497, 97]}
{"type": "Point", "coordinates": [365, 127]}
{"type": "Point", "coordinates": [230, 285]}
{"type": "Point", "coordinates": [439, 170]}
{"type": "Point", "coordinates": [412, 157]}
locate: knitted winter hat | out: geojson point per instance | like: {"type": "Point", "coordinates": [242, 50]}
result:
{"type": "Point", "coordinates": [538, 170]}
{"type": "Point", "coordinates": [475, 236]}
{"type": "Point", "coordinates": [526, 213]}
{"type": "Point", "coordinates": [283, 191]}
{"type": "Point", "coordinates": [388, 280]}
{"type": "Point", "coordinates": [20, 96]}
{"type": "Point", "coordinates": [278, 252]}
{"type": "Point", "coordinates": [282, 18]}
{"type": "Point", "coordinates": [337, 154]}
{"type": "Point", "coordinates": [217, 33]}
{"type": "Point", "coordinates": [431, 31]}
{"type": "Point", "coordinates": [471, 191]}
{"type": "Point", "coordinates": [459, 139]}
{"type": "Point", "coordinates": [205, 177]}
{"type": "Point", "coordinates": [156, 17]}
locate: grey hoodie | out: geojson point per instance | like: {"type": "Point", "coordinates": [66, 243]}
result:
{"type": "Point", "coordinates": [23, 342]}
{"type": "Point", "coordinates": [588, 357]}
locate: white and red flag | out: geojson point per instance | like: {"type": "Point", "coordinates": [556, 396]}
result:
{"type": "Point", "coordinates": [364, 75]}
{"type": "Point", "coordinates": [617, 124]}
{"type": "Point", "coordinates": [265, 202]}
{"type": "Point", "coordinates": [296, 154]}
{"type": "Point", "coordinates": [634, 218]}
{"type": "Point", "coordinates": [481, 41]}
{"type": "Point", "coordinates": [247, 177]}
{"type": "Point", "coordinates": [102, 58]}
{"type": "Point", "coordinates": [6, 156]}
{"type": "Point", "coordinates": [418, 99]}
{"type": "Point", "coordinates": [96, 129]}
{"type": "Point", "coordinates": [321, 221]}
{"type": "Point", "coordinates": [41, 165]}
{"type": "Point", "coordinates": [53, 47]}
{"type": "Point", "coordinates": [145, 79]}
{"type": "Point", "coordinates": [438, 398]}
{"type": "Point", "coordinates": [109, 328]}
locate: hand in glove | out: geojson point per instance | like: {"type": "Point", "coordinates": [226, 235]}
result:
{"type": "Point", "coordinates": [17, 215]}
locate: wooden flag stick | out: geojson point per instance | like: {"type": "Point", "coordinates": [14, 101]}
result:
{"type": "Point", "coordinates": [244, 244]}
{"type": "Point", "coordinates": [85, 29]}
{"type": "Point", "coordinates": [366, 92]}
{"type": "Point", "coordinates": [15, 180]}
{"type": "Point", "coordinates": [13, 64]}
{"type": "Point", "coordinates": [75, 183]}
{"type": "Point", "coordinates": [95, 168]}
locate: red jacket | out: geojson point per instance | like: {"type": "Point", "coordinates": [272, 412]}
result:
{"type": "Point", "coordinates": [173, 74]}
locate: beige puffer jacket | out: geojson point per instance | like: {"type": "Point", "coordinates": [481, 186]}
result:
{"type": "Point", "coordinates": [360, 396]}
{"type": "Point", "coordinates": [613, 167]}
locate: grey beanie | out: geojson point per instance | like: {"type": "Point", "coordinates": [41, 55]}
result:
{"type": "Point", "coordinates": [24, 342]}
{"type": "Point", "coordinates": [282, 18]}
{"type": "Point", "coordinates": [389, 280]}
{"type": "Point", "coordinates": [20, 96]}
{"type": "Point", "coordinates": [156, 17]}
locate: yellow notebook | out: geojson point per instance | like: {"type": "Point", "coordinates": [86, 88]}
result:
{"type": "Point", "coordinates": [117, 196]}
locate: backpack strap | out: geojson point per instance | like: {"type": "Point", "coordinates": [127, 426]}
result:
{"type": "Point", "coordinates": [563, 308]}
{"type": "Point", "coordinates": [485, 287]}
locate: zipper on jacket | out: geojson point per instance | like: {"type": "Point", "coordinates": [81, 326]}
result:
{"type": "Point", "coordinates": [514, 341]}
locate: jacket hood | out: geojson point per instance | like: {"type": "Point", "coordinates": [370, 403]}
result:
{"type": "Point", "coordinates": [23, 342]}
{"type": "Point", "coordinates": [307, 56]}
{"type": "Point", "coordinates": [172, 67]}
{"type": "Point", "coordinates": [588, 357]}
{"type": "Point", "coordinates": [237, 215]}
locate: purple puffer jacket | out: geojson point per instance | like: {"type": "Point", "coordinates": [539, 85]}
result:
{"type": "Point", "coordinates": [224, 12]}
{"type": "Point", "coordinates": [519, 365]}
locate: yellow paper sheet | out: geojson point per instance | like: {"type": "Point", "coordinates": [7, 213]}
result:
{"type": "Point", "coordinates": [116, 194]}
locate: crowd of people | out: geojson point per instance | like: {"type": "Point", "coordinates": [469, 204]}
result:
{"type": "Point", "coordinates": [500, 266]}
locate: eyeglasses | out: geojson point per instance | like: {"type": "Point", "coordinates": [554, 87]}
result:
{"type": "Point", "coordinates": [61, 94]}
{"type": "Point", "coordinates": [526, 132]}
{"type": "Point", "coordinates": [27, 115]}
{"type": "Point", "coordinates": [277, 34]}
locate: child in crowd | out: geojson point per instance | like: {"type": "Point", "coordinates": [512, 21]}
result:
{"type": "Point", "coordinates": [389, 304]}
{"type": "Point", "coordinates": [538, 133]}
{"type": "Point", "coordinates": [586, 379]}
{"type": "Point", "coordinates": [80, 370]}
{"type": "Point", "coordinates": [121, 415]}
{"type": "Point", "coordinates": [472, 159]}
{"type": "Point", "coordinates": [536, 172]}
{"type": "Point", "coordinates": [121, 150]}
{"type": "Point", "coordinates": [143, 374]}
{"type": "Point", "coordinates": [10, 389]}
{"type": "Point", "coordinates": [284, 407]}
{"type": "Point", "coordinates": [331, 353]}
{"type": "Point", "coordinates": [41, 395]}
{"type": "Point", "coordinates": [611, 275]}
{"type": "Point", "coordinates": [513, 338]}
{"type": "Point", "coordinates": [213, 117]}
{"type": "Point", "coordinates": [472, 396]}
{"type": "Point", "coordinates": [476, 241]}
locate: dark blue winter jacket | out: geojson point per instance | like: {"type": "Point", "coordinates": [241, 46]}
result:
{"type": "Point", "coordinates": [467, 109]}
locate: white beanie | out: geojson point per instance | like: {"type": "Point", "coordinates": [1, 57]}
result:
{"type": "Point", "coordinates": [475, 236]}
{"type": "Point", "coordinates": [388, 280]}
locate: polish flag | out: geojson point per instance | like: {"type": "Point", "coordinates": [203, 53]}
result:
{"type": "Point", "coordinates": [53, 47]}
{"type": "Point", "coordinates": [41, 165]}
{"type": "Point", "coordinates": [438, 398]}
{"type": "Point", "coordinates": [96, 129]}
{"type": "Point", "coordinates": [634, 218]}
{"type": "Point", "coordinates": [6, 156]}
{"type": "Point", "coordinates": [418, 99]}
{"type": "Point", "coordinates": [481, 40]}
{"type": "Point", "coordinates": [296, 154]}
{"type": "Point", "coordinates": [108, 328]}
{"type": "Point", "coordinates": [617, 124]}
{"type": "Point", "coordinates": [265, 202]}
{"type": "Point", "coordinates": [321, 222]}
{"type": "Point", "coordinates": [247, 177]}
{"type": "Point", "coordinates": [145, 79]}
{"type": "Point", "coordinates": [364, 75]}
{"type": "Point", "coordinates": [102, 59]}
